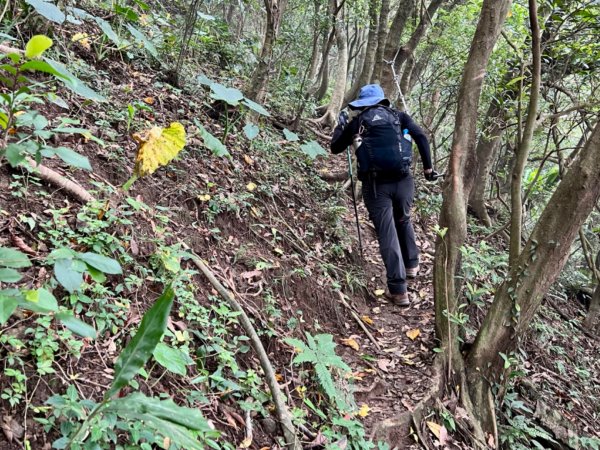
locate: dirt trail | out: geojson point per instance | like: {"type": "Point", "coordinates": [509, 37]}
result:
{"type": "Point", "coordinates": [395, 377]}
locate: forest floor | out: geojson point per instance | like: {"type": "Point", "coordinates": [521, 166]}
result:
{"type": "Point", "coordinates": [272, 247]}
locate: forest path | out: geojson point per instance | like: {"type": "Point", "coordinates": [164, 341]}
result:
{"type": "Point", "coordinates": [393, 378]}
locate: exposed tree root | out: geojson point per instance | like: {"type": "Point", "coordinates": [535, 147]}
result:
{"type": "Point", "coordinates": [56, 179]}
{"type": "Point", "coordinates": [333, 176]}
{"type": "Point", "coordinates": [289, 432]}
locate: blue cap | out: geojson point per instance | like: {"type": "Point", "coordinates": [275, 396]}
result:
{"type": "Point", "coordinates": [369, 95]}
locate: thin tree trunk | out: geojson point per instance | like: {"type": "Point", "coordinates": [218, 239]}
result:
{"type": "Point", "coordinates": [329, 118]}
{"type": "Point", "coordinates": [404, 52]}
{"type": "Point", "coordinates": [314, 58]}
{"type": "Point", "coordinates": [367, 67]}
{"type": "Point", "coordinates": [323, 78]}
{"type": "Point", "coordinates": [392, 39]}
{"type": "Point", "coordinates": [453, 217]}
{"type": "Point", "coordinates": [257, 86]}
{"type": "Point", "coordinates": [537, 267]}
{"type": "Point", "coordinates": [594, 311]}
{"type": "Point", "coordinates": [382, 36]}
{"type": "Point", "coordinates": [525, 141]}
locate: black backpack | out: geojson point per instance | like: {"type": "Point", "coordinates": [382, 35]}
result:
{"type": "Point", "coordinates": [385, 153]}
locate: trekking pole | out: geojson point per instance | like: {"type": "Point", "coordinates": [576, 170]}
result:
{"type": "Point", "coordinates": [354, 201]}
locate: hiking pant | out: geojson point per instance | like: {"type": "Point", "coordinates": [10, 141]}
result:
{"type": "Point", "coordinates": [389, 208]}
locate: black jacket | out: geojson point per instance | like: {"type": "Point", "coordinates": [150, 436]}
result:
{"type": "Point", "coordinates": [342, 137]}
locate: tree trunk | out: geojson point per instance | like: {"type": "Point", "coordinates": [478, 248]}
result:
{"type": "Point", "coordinates": [405, 51]}
{"type": "Point", "coordinates": [392, 39]}
{"type": "Point", "coordinates": [314, 58]}
{"type": "Point", "coordinates": [329, 118]}
{"type": "Point", "coordinates": [323, 78]}
{"type": "Point", "coordinates": [453, 218]}
{"type": "Point", "coordinates": [256, 89]}
{"type": "Point", "coordinates": [487, 149]}
{"type": "Point", "coordinates": [367, 67]}
{"type": "Point", "coordinates": [519, 297]}
{"type": "Point", "coordinates": [382, 35]}
{"type": "Point", "coordinates": [525, 140]}
{"type": "Point", "coordinates": [594, 311]}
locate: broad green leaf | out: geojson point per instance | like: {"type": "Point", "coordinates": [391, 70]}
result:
{"type": "Point", "coordinates": [203, 79]}
{"type": "Point", "coordinates": [102, 263]}
{"type": "Point", "coordinates": [48, 10]}
{"type": "Point", "coordinates": [312, 149]}
{"type": "Point", "coordinates": [40, 300]}
{"type": "Point", "coordinates": [141, 37]}
{"type": "Point", "coordinates": [15, 154]}
{"type": "Point", "coordinates": [96, 275]}
{"type": "Point", "coordinates": [251, 130]}
{"type": "Point", "coordinates": [162, 409]}
{"type": "Point", "coordinates": [9, 276]}
{"type": "Point", "coordinates": [8, 304]}
{"type": "Point", "coordinates": [73, 158]}
{"type": "Point", "coordinates": [212, 143]}
{"type": "Point", "coordinates": [75, 325]}
{"type": "Point", "coordinates": [109, 32]}
{"type": "Point", "coordinates": [67, 275]}
{"type": "Point", "coordinates": [37, 45]}
{"type": "Point", "coordinates": [170, 358]}
{"type": "Point", "coordinates": [158, 147]}
{"type": "Point", "coordinates": [40, 66]}
{"type": "Point", "coordinates": [73, 83]}
{"type": "Point", "coordinates": [231, 96]}
{"type": "Point", "coordinates": [137, 352]}
{"type": "Point", "coordinates": [290, 135]}
{"type": "Point", "coordinates": [9, 257]}
{"type": "Point", "coordinates": [256, 107]}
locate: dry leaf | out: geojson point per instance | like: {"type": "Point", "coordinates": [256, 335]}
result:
{"type": "Point", "coordinates": [251, 186]}
{"type": "Point", "coordinates": [82, 39]}
{"type": "Point", "coordinates": [364, 410]}
{"type": "Point", "coordinates": [248, 160]}
{"type": "Point", "coordinates": [204, 197]}
{"type": "Point", "coordinates": [383, 364]}
{"type": "Point", "coordinates": [367, 320]}
{"type": "Point", "coordinates": [413, 334]}
{"type": "Point", "coordinates": [246, 443]}
{"type": "Point", "coordinates": [379, 292]}
{"type": "Point", "coordinates": [350, 343]}
{"type": "Point", "coordinates": [278, 377]}
{"type": "Point", "coordinates": [435, 428]}
{"type": "Point", "coordinates": [149, 100]}
{"type": "Point", "coordinates": [158, 146]}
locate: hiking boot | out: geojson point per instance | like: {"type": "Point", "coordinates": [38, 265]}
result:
{"type": "Point", "coordinates": [412, 272]}
{"type": "Point", "coordinates": [399, 299]}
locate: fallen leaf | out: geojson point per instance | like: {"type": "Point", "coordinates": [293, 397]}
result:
{"type": "Point", "coordinates": [367, 320]}
{"type": "Point", "coordinates": [383, 364]}
{"type": "Point", "coordinates": [350, 343]}
{"type": "Point", "coordinates": [81, 39]}
{"type": "Point", "coordinates": [435, 428]}
{"type": "Point", "coordinates": [204, 197]}
{"type": "Point", "coordinates": [251, 186]}
{"type": "Point", "coordinates": [413, 334]}
{"type": "Point", "coordinates": [158, 146]}
{"type": "Point", "coordinates": [246, 443]}
{"type": "Point", "coordinates": [379, 292]}
{"type": "Point", "coordinates": [251, 274]}
{"type": "Point", "coordinates": [248, 160]}
{"type": "Point", "coordinates": [364, 410]}
{"type": "Point", "coordinates": [149, 100]}
{"type": "Point", "coordinates": [278, 377]}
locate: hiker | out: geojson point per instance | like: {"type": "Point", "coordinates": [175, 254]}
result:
{"type": "Point", "coordinates": [384, 158]}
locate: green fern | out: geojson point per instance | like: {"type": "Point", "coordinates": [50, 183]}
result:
{"type": "Point", "coordinates": [320, 352]}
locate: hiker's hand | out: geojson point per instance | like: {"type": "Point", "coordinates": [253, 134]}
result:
{"type": "Point", "coordinates": [343, 119]}
{"type": "Point", "coordinates": [431, 175]}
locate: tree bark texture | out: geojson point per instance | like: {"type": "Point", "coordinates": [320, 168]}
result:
{"type": "Point", "coordinates": [392, 40]}
{"type": "Point", "coordinates": [405, 51]}
{"type": "Point", "coordinates": [382, 36]}
{"type": "Point", "coordinates": [329, 118]}
{"type": "Point", "coordinates": [592, 316]}
{"type": "Point", "coordinates": [525, 140]}
{"type": "Point", "coordinates": [367, 67]}
{"type": "Point", "coordinates": [537, 267]}
{"type": "Point", "coordinates": [256, 89]}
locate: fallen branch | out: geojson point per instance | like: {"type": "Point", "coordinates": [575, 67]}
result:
{"type": "Point", "coordinates": [53, 177]}
{"type": "Point", "coordinates": [358, 320]}
{"type": "Point", "coordinates": [5, 49]}
{"type": "Point", "coordinates": [333, 176]}
{"type": "Point", "coordinates": [289, 432]}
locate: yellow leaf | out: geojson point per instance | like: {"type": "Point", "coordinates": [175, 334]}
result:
{"type": "Point", "coordinates": [350, 343]}
{"type": "Point", "coordinates": [413, 334]}
{"type": "Point", "coordinates": [166, 442]}
{"type": "Point", "coordinates": [37, 45]}
{"type": "Point", "coordinates": [248, 160]}
{"type": "Point", "coordinates": [251, 186]}
{"type": "Point", "coordinates": [379, 292]}
{"type": "Point", "coordinates": [82, 39]}
{"type": "Point", "coordinates": [158, 146]}
{"type": "Point", "coordinates": [246, 443]}
{"type": "Point", "coordinates": [204, 197]}
{"type": "Point", "coordinates": [149, 100]}
{"type": "Point", "coordinates": [364, 410]}
{"type": "Point", "coordinates": [435, 428]}
{"type": "Point", "coordinates": [278, 251]}
{"type": "Point", "coordinates": [367, 320]}
{"type": "Point", "coordinates": [278, 377]}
